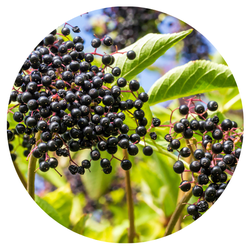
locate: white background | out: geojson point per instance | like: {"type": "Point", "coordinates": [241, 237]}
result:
{"type": "Point", "coordinates": [23, 24]}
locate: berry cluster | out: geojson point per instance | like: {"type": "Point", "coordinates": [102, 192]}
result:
{"type": "Point", "coordinates": [65, 105]}
{"type": "Point", "coordinates": [214, 151]}
{"type": "Point", "coordinates": [121, 20]}
{"type": "Point", "coordinates": [195, 47]}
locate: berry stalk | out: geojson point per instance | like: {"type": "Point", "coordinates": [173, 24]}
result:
{"type": "Point", "coordinates": [175, 216]}
{"type": "Point", "coordinates": [131, 229]}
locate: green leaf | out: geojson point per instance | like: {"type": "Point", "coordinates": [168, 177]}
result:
{"type": "Point", "coordinates": [96, 182]}
{"type": "Point", "coordinates": [167, 193]}
{"type": "Point", "coordinates": [159, 181]}
{"type": "Point", "coordinates": [117, 195]}
{"type": "Point", "coordinates": [218, 58]}
{"type": "Point", "coordinates": [53, 177]}
{"type": "Point", "coordinates": [227, 99]}
{"type": "Point", "coordinates": [151, 177]}
{"type": "Point", "coordinates": [233, 104]}
{"type": "Point", "coordinates": [80, 225]}
{"type": "Point", "coordinates": [101, 230]}
{"type": "Point", "coordinates": [190, 79]}
{"type": "Point", "coordinates": [50, 210]}
{"type": "Point", "coordinates": [147, 49]}
{"type": "Point", "coordinates": [79, 201]}
{"type": "Point", "coordinates": [61, 199]}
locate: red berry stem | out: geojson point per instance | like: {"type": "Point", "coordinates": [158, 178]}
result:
{"type": "Point", "coordinates": [68, 25]}
{"type": "Point", "coordinates": [94, 53]}
{"type": "Point", "coordinates": [229, 172]}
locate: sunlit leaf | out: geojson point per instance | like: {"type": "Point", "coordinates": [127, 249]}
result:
{"type": "Point", "coordinates": [96, 181]}
{"type": "Point", "coordinates": [80, 225]}
{"type": "Point", "coordinates": [50, 210]}
{"type": "Point", "coordinates": [61, 200]}
{"type": "Point", "coordinates": [192, 78]}
{"type": "Point", "coordinates": [147, 49]}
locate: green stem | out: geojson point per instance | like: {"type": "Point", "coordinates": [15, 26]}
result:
{"type": "Point", "coordinates": [131, 229]}
{"type": "Point", "coordinates": [20, 175]}
{"type": "Point", "coordinates": [175, 216]}
{"type": "Point", "coordinates": [31, 172]}
{"type": "Point", "coordinates": [182, 203]}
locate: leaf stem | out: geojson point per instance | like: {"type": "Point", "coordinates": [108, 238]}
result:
{"type": "Point", "coordinates": [131, 229]}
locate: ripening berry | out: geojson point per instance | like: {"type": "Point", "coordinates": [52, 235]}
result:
{"type": "Point", "coordinates": [192, 209]}
{"type": "Point", "coordinates": [44, 166]}
{"type": "Point", "coordinates": [73, 169]}
{"type": "Point", "coordinates": [175, 144]}
{"type": "Point", "coordinates": [126, 164]}
{"type": "Point", "coordinates": [197, 191]}
{"type": "Point", "coordinates": [178, 167]}
{"type": "Point", "coordinates": [131, 55]}
{"type": "Point", "coordinates": [147, 150]}
{"type": "Point", "coordinates": [184, 109]}
{"type": "Point", "coordinates": [212, 105]}
{"type": "Point", "coordinates": [226, 124]}
{"type": "Point", "coordinates": [185, 152]}
{"type": "Point", "coordinates": [199, 108]}
{"type": "Point", "coordinates": [185, 186]}
{"type": "Point", "coordinates": [179, 127]}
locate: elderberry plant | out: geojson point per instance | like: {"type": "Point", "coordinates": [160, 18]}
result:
{"type": "Point", "coordinates": [67, 100]}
